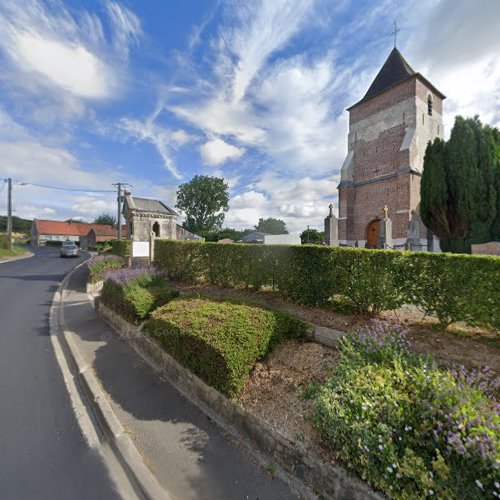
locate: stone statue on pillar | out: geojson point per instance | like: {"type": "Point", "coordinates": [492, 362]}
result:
{"type": "Point", "coordinates": [386, 242]}
{"type": "Point", "coordinates": [331, 229]}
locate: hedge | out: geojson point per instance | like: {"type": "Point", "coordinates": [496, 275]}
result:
{"type": "Point", "coordinates": [135, 292]}
{"type": "Point", "coordinates": [407, 427]}
{"type": "Point", "coordinates": [220, 342]}
{"type": "Point", "coordinates": [453, 287]}
{"type": "Point", "coordinates": [121, 247]}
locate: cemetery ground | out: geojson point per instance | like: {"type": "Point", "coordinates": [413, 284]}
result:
{"type": "Point", "coordinates": [314, 395]}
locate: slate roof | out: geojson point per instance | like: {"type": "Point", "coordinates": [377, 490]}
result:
{"type": "Point", "coordinates": [394, 71]}
{"type": "Point", "coordinates": [150, 205]}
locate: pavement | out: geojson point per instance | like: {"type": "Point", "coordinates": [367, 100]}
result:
{"type": "Point", "coordinates": [43, 453]}
{"type": "Point", "coordinates": [187, 453]}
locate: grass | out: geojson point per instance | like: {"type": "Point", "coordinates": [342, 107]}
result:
{"type": "Point", "coordinates": [16, 251]}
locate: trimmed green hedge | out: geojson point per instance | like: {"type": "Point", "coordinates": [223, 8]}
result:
{"type": "Point", "coordinates": [220, 342]}
{"type": "Point", "coordinates": [453, 287]}
{"type": "Point", "coordinates": [137, 298]}
{"type": "Point", "coordinates": [121, 247]}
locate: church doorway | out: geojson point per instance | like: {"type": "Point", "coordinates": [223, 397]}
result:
{"type": "Point", "coordinates": [156, 229]}
{"type": "Point", "coordinates": [373, 234]}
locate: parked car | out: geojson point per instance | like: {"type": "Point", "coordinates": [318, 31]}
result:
{"type": "Point", "coordinates": [69, 249]}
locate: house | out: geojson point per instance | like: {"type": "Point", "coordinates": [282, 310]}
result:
{"type": "Point", "coordinates": [183, 234]}
{"type": "Point", "coordinates": [55, 232]}
{"type": "Point", "coordinates": [99, 234]}
{"type": "Point", "coordinates": [253, 237]}
{"type": "Point", "coordinates": [270, 239]}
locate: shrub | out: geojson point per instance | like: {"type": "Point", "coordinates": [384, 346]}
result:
{"type": "Point", "coordinates": [101, 264]}
{"type": "Point", "coordinates": [407, 427]}
{"type": "Point", "coordinates": [135, 292]}
{"type": "Point", "coordinates": [121, 247]}
{"type": "Point", "coordinates": [453, 287]}
{"type": "Point", "coordinates": [220, 342]}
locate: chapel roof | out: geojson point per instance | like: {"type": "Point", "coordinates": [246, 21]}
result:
{"type": "Point", "coordinates": [148, 205]}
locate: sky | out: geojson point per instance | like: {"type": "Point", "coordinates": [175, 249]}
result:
{"type": "Point", "coordinates": [152, 93]}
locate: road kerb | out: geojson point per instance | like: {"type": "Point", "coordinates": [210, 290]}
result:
{"type": "Point", "coordinates": [110, 428]}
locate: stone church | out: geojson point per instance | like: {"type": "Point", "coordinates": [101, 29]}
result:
{"type": "Point", "coordinates": [389, 129]}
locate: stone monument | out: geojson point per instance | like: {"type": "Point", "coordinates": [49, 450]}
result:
{"type": "Point", "coordinates": [331, 229]}
{"type": "Point", "coordinates": [386, 241]}
{"type": "Point", "coordinates": [413, 240]}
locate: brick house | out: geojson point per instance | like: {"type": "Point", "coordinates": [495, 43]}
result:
{"type": "Point", "coordinates": [389, 129]}
{"type": "Point", "coordinates": [100, 234]}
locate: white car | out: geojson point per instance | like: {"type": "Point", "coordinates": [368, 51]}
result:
{"type": "Point", "coordinates": [69, 249]}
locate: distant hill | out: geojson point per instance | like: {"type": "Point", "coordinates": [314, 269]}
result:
{"type": "Point", "coordinates": [18, 225]}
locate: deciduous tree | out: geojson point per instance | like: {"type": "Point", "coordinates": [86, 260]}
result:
{"type": "Point", "coordinates": [204, 201]}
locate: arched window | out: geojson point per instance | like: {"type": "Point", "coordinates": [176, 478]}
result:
{"type": "Point", "coordinates": [156, 229]}
{"type": "Point", "coordinates": [429, 105]}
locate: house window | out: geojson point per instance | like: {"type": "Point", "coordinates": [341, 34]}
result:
{"type": "Point", "coordinates": [156, 229]}
{"type": "Point", "coordinates": [429, 105]}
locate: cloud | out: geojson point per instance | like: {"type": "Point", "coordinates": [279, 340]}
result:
{"type": "Point", "coordinates": [460, 53]}
{"type": "Point", "coordinates": [64, 58]}
{"type": "Point", "coordinates": [217, 152]}
{"type": "Point", "coordinates": [72, 68]}
{"type": "Point", "coordinates": [162, 138]}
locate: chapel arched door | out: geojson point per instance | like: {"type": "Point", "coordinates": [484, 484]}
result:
{"type": "Point", "coordinates": [373, 234]}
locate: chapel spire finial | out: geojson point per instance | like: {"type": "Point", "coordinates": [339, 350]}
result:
{"type": "Point", "coordinates": [395, 33]}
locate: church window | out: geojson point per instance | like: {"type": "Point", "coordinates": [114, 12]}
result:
{"type": "Point", "coordinates": [429, 105]}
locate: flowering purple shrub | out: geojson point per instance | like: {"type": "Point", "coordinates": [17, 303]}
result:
{"type": "Point", "coordinates": [101, 264]}
{"type": "Point", "coordinates": [408, 427]}
{"type": "Point", "coordinates": [93, 261]}
{"type": "Point", "coordinates": [126, 275]}
{"type": "Point", "coordinates": [376, 341]}
{"type": "Point", "coordinates": [134, 292]}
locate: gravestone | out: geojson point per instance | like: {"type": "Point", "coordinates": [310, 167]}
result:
{"type": "Point", "coordinates": [490, 248]}
{"type": "Point", "coordinates": [331, 229]}
{"type": "Point", "coordinates": [413, 240]}
{"type": "Point", "coordinates": [386, 241]}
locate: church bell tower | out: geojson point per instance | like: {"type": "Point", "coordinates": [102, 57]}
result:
{"type": "Point", "coordinates": [389, 129]}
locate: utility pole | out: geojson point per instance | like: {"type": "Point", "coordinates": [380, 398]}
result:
{"type": "Point", "coordinates": [9, 212]}
{"type": "Point", "coordinates": [119, 186]}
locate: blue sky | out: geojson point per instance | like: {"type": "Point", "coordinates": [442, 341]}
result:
{"type": "Point", "coordinates": [154, 92]}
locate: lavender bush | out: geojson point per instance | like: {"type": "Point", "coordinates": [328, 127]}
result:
{"type": "Point", "coordinates": [409, 428]}
{"type": "Point", "coordinates": [135, 292]}
{"type": "Point", "coordinates": [101, 264]}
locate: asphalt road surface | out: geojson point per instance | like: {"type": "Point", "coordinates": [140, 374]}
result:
{"type": "Point", "coordinates": [43, 454]}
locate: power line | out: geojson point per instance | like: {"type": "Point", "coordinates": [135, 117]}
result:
{"type": "Point", "coordinates": [20, 183]}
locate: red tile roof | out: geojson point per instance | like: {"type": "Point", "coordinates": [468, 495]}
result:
{"type": "Point", "coordinates": [63, 228]}
{"type": "Point", "coordinates": [107, 230]}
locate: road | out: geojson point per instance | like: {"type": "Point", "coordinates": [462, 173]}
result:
{"type": "Point", "coordinates": [43, 454]}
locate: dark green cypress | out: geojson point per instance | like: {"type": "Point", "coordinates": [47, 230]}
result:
{"type": "Point", "coordinates": [434, 191]}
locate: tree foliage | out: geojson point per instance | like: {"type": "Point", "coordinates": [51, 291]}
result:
{"type": "Point", "coordinates": [459, 189]}
{"type": "Point", "coordinates": [312, 237]}
{"type": "Point", "coordinates": [106, 219]}
{"type": "Point", "coordinates": [271, 226]}
{"type": "Point", "coordinates": [204, 201]}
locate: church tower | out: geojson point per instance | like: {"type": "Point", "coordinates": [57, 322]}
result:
{"type": "Point", "coordinates": [388, 133]}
